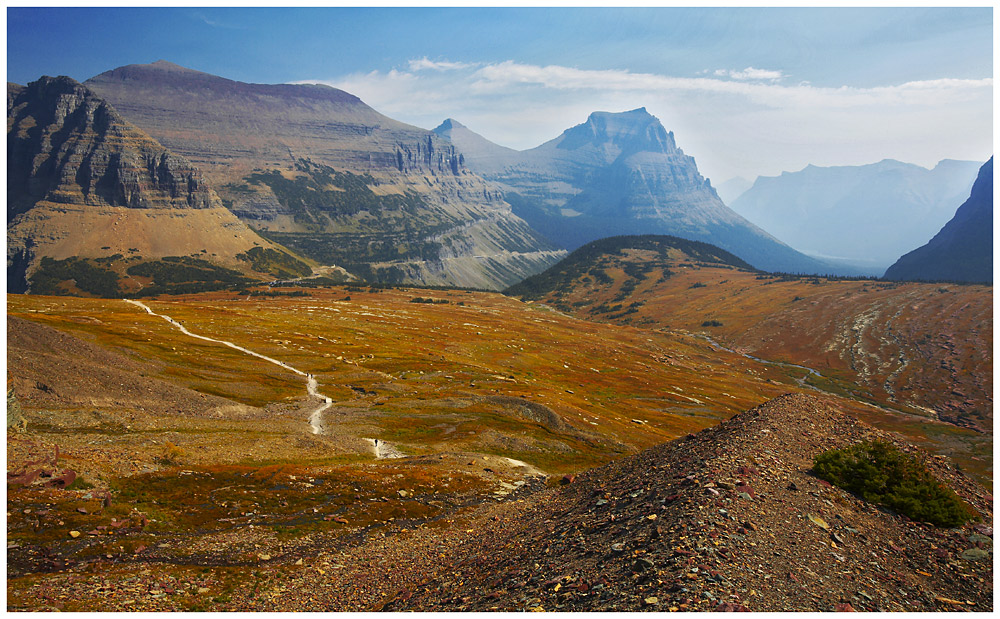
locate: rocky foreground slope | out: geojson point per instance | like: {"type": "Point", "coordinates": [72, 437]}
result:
{"type": "Point", "coordinates": [728, 519]}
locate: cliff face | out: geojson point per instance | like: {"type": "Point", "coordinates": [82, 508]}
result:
{"type": "Point", "coordinates": [66, 145]}
{"type": "Point", "coordinates": [260, 144]}
{"type": "Point", "coordinates": [83, 182]}
{"type": "Point", "coordinates": [619, 174]}
{"type": "Point", "coordinates": [963, 249]}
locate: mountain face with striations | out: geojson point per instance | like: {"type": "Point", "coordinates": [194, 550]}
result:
{"type": "Point", "coordinates": [82, 182]}
{"type": "Point", "coordinates": [321, 172]}
{"type": "Point", "coordinates": [963, 249]}
{"type": "Point", "coordinates": [865, 215]}
{"type": "Point", "coordinates": [619, 174]}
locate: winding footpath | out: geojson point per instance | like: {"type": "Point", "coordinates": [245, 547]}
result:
{"type": "Point", "coordinates": [312, 387]}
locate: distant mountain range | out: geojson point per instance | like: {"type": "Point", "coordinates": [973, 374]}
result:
{"type": "Point", "coordinates": [865, 216]}
{"type": "Point", "coordinates": [83, 183]}
{"type": "Point", "coordinates": [963, 249]}
{"type": "Point", "coordinates": [319, 171]}
{"type": "Point", "coordinates": [619, 173]}
{"type": "Point", "coordinates": [310, 170]}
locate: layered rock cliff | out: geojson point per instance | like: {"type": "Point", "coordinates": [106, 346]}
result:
{"type": "Point", "coordinates": [83, 182]}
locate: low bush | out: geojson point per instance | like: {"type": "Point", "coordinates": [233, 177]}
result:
{"type": "Point", "coordinates": [880, 473]}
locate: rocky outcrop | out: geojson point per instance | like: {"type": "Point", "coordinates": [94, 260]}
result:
{"type": "Point", "coordinates": [619, 174]}
{"type": "Point", "coordinates": [242, 135]}
{"type": "Point", "coordinates": [963, 250]}
{"type": "Point", "coordinates": [83, 182]}
{"type": "Point", "coordinates": [66, 145]}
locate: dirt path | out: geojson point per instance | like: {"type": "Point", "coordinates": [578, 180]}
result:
{"type": "Point", "coordinates": [312, 387]}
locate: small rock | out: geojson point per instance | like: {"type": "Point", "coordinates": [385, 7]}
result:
{"type": "Point", "coordinates": [402, 493]}
{"type": "Point", "coordinates": [642, 564]}
{"type": "Point", "coordinates": [567, 479]}
{"type": "Point", "coordinates": [843, 608]}
{"type": "Point", "coordinates": [650, 601]}
{"type": "Point", "coordinates": [745, 496]}
{"type": "Point", "coordinates": [975, 554]}
{"type": "Point", "coordinates": [264, 557]}
{"type": "Point", "coordinates": [75, 534]}
{"type": "Point", "coordinates": [299, 562]}
{"type": "Point", "coordinates": [617, 547]}
{"type": "Point", "coordinates": [203, 590]}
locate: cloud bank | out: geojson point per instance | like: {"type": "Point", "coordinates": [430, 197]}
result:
{"type": "Point", "coordinates": [744, 122]}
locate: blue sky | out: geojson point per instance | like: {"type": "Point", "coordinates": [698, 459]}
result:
{"type": "Point", "coordinates": [747, 91]}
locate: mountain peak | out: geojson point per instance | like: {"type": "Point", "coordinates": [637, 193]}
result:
{"type": "Point", "coordinates": [448, 124]}
{"type": "Point", "coordinates": [633, 131]}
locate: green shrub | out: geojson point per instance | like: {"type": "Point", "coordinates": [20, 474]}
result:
{"type": "Point", "coordinates": [880, 473]}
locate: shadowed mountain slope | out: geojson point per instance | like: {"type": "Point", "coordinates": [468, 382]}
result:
{"type": "Point", "coordinates": [617, 174]}
{"type": "Point", "coordinates": [321, 172]}
{"type": "Point", "coordinates": [963, 250]}
{"type": "Point", "coordinates": [82, 182]}
{"type": "Point", "coordinates": [726, 519]}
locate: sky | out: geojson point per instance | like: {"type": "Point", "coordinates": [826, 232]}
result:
{"type": "Point", "coordinates": [746, 91]}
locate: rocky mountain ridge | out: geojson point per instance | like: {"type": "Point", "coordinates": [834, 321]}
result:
{"type": "Point", "coordinates": [963, 249]}
{"type": "Point", "coordinates": [617, 174]}
{"type": "Point", "coordinates": [448, 225]}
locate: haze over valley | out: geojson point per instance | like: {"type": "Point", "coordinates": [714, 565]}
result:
{"type": "Point", "coordinates": [317, 309]}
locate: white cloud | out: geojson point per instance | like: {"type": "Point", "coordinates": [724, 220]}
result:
{"type": "Point", "coordinates": [750, 73]}
{"type": "Point", "coordinates": [423, 64]}
{"type": "Point", "coordinates": [745, 122]}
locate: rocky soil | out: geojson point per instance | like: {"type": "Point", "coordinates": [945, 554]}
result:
{"type": "Point", "coordinates": [726, 519]}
